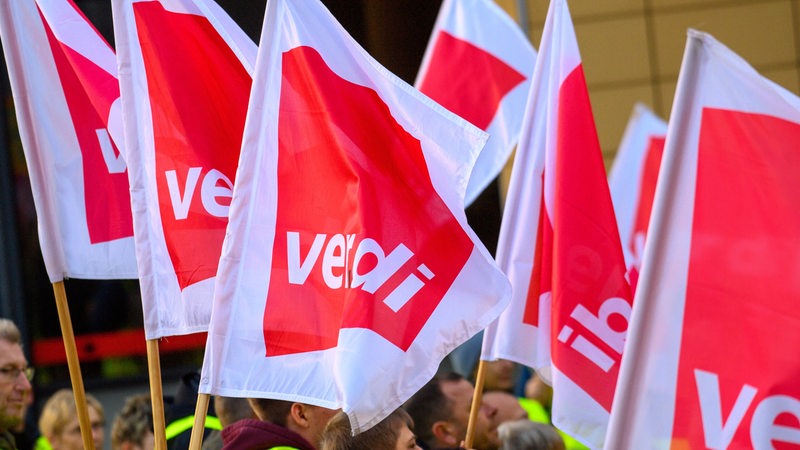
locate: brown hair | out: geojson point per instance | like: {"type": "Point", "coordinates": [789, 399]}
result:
{"type": "Point", "coordinates": [270, 410]}
{"type": "Point", "coordinates": [133, 421]}
{"type": "Point", "coordinates": [383, 436]}
{"type": "Point", "coordinates": [430, 405]}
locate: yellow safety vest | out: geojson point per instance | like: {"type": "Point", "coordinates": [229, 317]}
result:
{"type": "Point", "coordinates": [183, 424]}
{"type": "Point", "coordinates": [537, 413]}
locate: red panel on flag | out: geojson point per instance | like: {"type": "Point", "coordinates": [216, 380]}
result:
{"type": "Point", "coordinates": [542, 273]}
{"type": "Point", "coordinates": [108, 208]}
{"type": "Point", "coordinates": [591, 299]}
{"type": "Point", "coordinates": [362, 239]}
{"type": "Point", "coordinates": [743, 276]}
{"type": "Point", "coordinates": [652, 164]}
{"type": "Point", "coordinates": [467, 80]}
{"type": "Point", "coordinates": [198, 94]}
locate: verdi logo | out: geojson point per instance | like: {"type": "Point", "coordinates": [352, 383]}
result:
{"type": "Point", "coordinates": [340, 269]}
{"type": "Point", "coordinates": [362, 238]}
{"type": "Point", "coordinates": [198, 106]}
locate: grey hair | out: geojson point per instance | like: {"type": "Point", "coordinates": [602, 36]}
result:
{"type": "Point", "coordinates": [9, 332]}
{"type": "Point", "coordinates": [524, 434]}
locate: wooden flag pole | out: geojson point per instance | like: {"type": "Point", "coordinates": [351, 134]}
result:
{"type": "Point", "coordinates": [74, 365]}
{"type": "Point", "coordinates": [156, 394]}
{"type": "Point", "coordinates": [476, 404]}
{"type": "Point", "coordinates": [198, 428]}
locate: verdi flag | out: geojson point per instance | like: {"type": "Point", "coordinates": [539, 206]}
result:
{"type": "Point", "coordinates": [632, 182]}
{"type": "Point", "coordinates": [478, 65]}
{"type": "Point", "coordinates": [714, 335]}
{"type": "Point", "coordinates": [560, 246]}
{"type": "Point", "coordinates": [348, 271]}
{"type": "Point", "coordinates": [63, 78]}
{"type": "Point", "coordinates": [185, 74]}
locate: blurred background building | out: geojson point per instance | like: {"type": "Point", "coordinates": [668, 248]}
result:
{"type": "Point", "coordinates": [631, 51]}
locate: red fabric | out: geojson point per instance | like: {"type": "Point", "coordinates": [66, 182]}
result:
{"type": "Point", "coordinates": [457, 66]}
{"type": "Point", "coordinates": [348, 169]}
{"type": "Point", "coordinates": [188, 136]}
{"type": "Point", "coordinates": [89, 92]}
{"type": "Point", "coordinates": [743, 257]}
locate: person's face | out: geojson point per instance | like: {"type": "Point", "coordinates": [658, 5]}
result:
{"type": "Point", "coordinates": [70, 438]}
{"type": "Point", "coordinates": [406, 439]}
{"type": "Point", "coordinates": [460, 394]}
{"type": "Point", "coordinates": [14, 386]}
{"type": "Point", "coordinates": [506, 405]}
{"type": "Point", "coordinates": [149, 442]}
{"type": "Point", "coordinates": [318, 418]}
{"type": "Point", "coordinates": [499, 375]}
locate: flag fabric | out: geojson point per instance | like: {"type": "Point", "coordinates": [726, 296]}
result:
{"type": "Point", "coordinates": [349, 271]}
{"type": "Point", "coordinates": [64, 81]}
{"type": "Point", "coordinates": [185, 74]}
{"type": "Point", "coordinates": [478, 65]}
{"type": "Point", "coordinates": [714, 335]}
{"type": "Point", "coordinates": [632, 182]}
{"type": "Point", "coordinates": [560, 246]}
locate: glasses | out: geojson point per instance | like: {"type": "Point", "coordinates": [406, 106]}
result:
{"type": "Point", "coordinates": [12, 373]}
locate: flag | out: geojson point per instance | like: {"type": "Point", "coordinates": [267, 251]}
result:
{"type": "Point", "coordinates": [560, 247]}
{"type": "Point", "coordinates": [714, 334]}
{"type": "Point", "coordinates": [349, 271]}
{"type": "Point", "coordinates": [185, 74]}
{"type": "Point", "coordinates": [632, 182]}
{"type": "Point", "coordinates": [64, 81]}
{"type": "Point", "coordinates": [478, 65]}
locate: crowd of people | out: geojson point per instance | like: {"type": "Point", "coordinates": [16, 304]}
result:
{"type": "Point", "coordinates": [434, 418]}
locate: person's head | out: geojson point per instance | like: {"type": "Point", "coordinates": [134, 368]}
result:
{"type": "Point", "coordinates": [306, 420]}
{"type": "Point", "coordinates": [441, 413]}
{"type": "Point", "coordinates": [507, 406]}
{"type": "Point", "coordinates": [529, 435]}
{"type": "Point", "coordinates": [133, 426]}
{"type": "Point", "coordinates": [395, 432]}
{"type": "Point", "coordinates": [499, 375]}
{"type": "Point", "coordinates": [15, 385]}
{"type": "Point", "coordinates": [59, 422]}
{"type": "Point", "coordinates": [232, 409]}
{"type": "Point", "coordinates": [537, 389]}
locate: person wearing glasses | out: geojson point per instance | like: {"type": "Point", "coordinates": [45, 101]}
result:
{"type": "Point", "coordinates": [15, 382]}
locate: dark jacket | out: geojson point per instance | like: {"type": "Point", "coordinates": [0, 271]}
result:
{"type": "Point", "coordinates": [252, 434]}
{"type": "Point", "coordinates": [7, 441]}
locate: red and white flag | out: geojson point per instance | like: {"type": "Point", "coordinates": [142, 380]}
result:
{"type": "Point", "coordinates": [632, 182]}
{"type": "Point", "coordinates": [349, 271]}
{"type": "Point", "coordinates": [560, 246]}
{"type": "Point", "coordinates": [185, 73]}
{"type": "Point", "coordinates": [712, 355]}
{"type": "Point", "coordinates": [64, 81]}
{"type": "Point", "coordinates": [478, 64]}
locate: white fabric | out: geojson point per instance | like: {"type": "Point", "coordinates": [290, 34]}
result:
{"type": "Point", "coordinates": [542, 159]}
{"type": "Point", "coordinates": [168, 309]}
{"type": "Point", "coordinates": [364, 373]}
{"type": "Point", "coordinates": [52, 151]}
{"type": "Point", "coordinates": [645, 406]}
{"type": "Point", "coordinates": [484, 24]}
{"type": "Point", "coordinates": [625, 176]}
